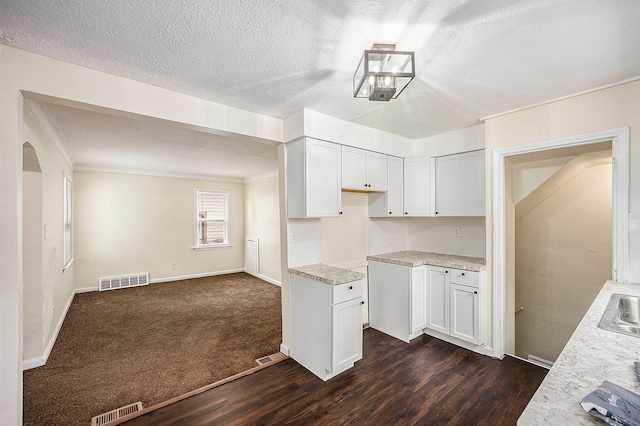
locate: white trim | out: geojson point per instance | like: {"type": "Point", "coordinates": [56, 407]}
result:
{"type": "Point", "coordinates": [620, 215]}
{"type": "Point", "coordinates": [191, 276]}
{"type": "Point", "coordinates": [562, 98]}
{"type": "Point", "coordinates": [480, 349]}
{"type": "Point", "coordinates": [28, 364]}
{"type": "Point", "coordinates": [284, 349]}
{"type": "Point", "coordinates": [265, 278]}
{"type": "Point", "coordinates": [87, 168]}
{"type": "Point", "coordinates": [264, 176]}
{"type": "Point", "coordinates": [86, 289]}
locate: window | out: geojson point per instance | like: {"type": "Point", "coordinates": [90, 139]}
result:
{"type": "Point", "coordinates": [212, 218]}
{"type": "Point", "coordinates": [68, 248]}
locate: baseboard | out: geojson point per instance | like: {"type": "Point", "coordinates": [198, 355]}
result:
{"type": "Point", "coordinates": [265, 278]}
{"type": "Point", "coordinates": [192, 276]}
{"type": "Point", "coordinates": [284, 349]}
{"type": "Point", "coordinates": [481, 349]}
{"type": "Point", "coordinates": [86, 289]}
{"type": "Point", "coordinates": [28, 364]}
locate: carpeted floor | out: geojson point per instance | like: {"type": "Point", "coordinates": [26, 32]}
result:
{"type": "Point", "coordinates": [151, 344]}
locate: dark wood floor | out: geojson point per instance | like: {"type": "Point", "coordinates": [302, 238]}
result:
{"type": "Point", "coordinates": [426, 382]}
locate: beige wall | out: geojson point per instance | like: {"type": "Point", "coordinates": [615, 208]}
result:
{"type": "Point", "coordinates": [601, 110]}
{"type": "Point", "coordinates": [50, 290]}
{"type": "Point", "coordinates": [262, 220]}
{"type": "Point", "coordinates": [563, 257]}
{"type": "Point", "coordinates": [437, 235]}
{"type": "Point", "coordinates": [127, 224]}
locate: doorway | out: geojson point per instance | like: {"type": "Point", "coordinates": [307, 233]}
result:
{"type": "Point", "coordinates": [561, 241]}
{"type": "Point", "coordinates": [503, 211]}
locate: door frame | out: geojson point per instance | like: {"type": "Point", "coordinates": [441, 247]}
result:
{"type": "Point", "coordinates": [619, 138]}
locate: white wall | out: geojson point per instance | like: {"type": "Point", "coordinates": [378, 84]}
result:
{"type": "Point", "coordinates": [262, 220]}
{"type": "Point", "coordinates": [127, 224]}
{"type": "Point", "coordinates": [433, 234]}
{"type": "Point", "coordinates": [601, 110]}
{"type": "Point", "coordinates": [45, 303]}
{"type": "Point", "coordinates": [462, 140]}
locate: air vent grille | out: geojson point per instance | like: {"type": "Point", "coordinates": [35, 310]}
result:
{"type": "Point", "coordinates": [118, 413]}
{"type": "Point", "coordinates": [112, 283]}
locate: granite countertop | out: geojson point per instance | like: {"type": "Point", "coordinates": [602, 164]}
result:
{"type": "Point", "coordinates": [327, 274]}
{"type": "Point", "coordinates": [591, 356]}
{"type": "Point", "coordinates": [418, 258]}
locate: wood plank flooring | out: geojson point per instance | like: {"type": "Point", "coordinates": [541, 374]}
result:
{"type": "Point", "coordinates": [427, 382]}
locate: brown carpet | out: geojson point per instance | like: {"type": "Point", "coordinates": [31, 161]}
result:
{"type": "Point", "coordinates": [151, 344]}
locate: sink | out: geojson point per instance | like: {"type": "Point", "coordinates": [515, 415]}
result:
{"type": "Point", "coordinates": [622, 315]}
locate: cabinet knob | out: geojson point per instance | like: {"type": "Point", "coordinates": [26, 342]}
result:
{"type": "Point", "coordinates": [475, 292]}
{"type": "Point", "coordinates": [350, 287]}
{"type": "Point", "coordinates": [362, 303]}
{"type": "Point", "coordinates": [390, 213]}
{"type": "Point", "coordinates": [365, 185]}
{"type": "Point", "coordinates": [340, 212]}
{"type": "Point", "coordinates": [436, 212]}
{"type": "Point", "coordinates": [446, 272]}
{"type": "Point", "coordinates": [406, 212]}
{"type": "Point", "coordinates": [463, 274]}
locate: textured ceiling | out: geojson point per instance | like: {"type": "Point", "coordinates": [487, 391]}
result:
{"type": "Point", "coordinates": [473, 58]}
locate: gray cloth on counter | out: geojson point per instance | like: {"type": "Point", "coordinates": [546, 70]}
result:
{"type": "Point", "coordinates": [613, 404]}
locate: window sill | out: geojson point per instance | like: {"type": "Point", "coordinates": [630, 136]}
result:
{"type": "Point", "coordinates": [220, 246]}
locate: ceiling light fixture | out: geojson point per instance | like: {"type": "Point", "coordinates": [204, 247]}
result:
{"type": "Point", "coordinates": [383, 72]}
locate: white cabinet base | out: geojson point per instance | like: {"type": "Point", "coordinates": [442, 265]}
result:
{"type": "Point", "coordinates": [481, 349]}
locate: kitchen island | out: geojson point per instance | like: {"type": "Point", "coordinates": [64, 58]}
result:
{"type": "Point", "coordinates": [591, 356]}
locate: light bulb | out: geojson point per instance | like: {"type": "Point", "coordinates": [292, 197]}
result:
{"type": "Point", "coordinates": [387, 81]}
{"type": "Point", "coordinates": [394, 69]}
{"type": "Point", "coordinates": [372, 80]}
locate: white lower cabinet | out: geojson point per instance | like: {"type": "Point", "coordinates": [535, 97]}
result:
{"type": "Point", "coordinates": [406, 301]}
{"type": "Point", "coordinates": [453, 303]}
{"type": "Point", "coordinates": [326, 325]}
{"type": "Point", "coordinates": [397, 299]}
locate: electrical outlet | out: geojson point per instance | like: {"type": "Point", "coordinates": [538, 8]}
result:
{"type": "Point", "coordinates": [456, 232]}
{"type": "Point", "coordinates": [173, 266]}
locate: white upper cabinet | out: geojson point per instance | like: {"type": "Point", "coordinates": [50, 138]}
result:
{"type": "Point", "coordinates": [390, 203]}
{"type": "Point", "coordinates": [313, 178]}
{"type": "Point", "coordinates": [419, 186]}
{"type": "Point", "coordinates": [363, 170]}
{"type": "Point", "coordinates": [460, 184]}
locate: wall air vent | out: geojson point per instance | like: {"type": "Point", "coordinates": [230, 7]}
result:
{"type": "Point", "coordinates": [112, 283]}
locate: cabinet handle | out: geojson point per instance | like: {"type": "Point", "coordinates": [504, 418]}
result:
{"type": "Point", "coordinates": [436, 212]}
{"type": "Point", "coordinates": [390, 213]}
{"type": "Point", "coordinates": [350, 287]}
{"type": "Point", "coordinates": [365, 185]}
{"type": "Point", "coordinates": [406, 212]}
{"type": "Point", "coordinates": [463, 274]}
{"type": "Point", "coordinates": [475, 292]}
{"type": "Point", "coordinates": [446, 272]}
{"type": "Point", "coordinates": [340, 212]}
{"type": "Point", "coordinates": [362, 303]}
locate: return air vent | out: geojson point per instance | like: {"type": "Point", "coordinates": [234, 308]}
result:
{"type": "Point", "coordinates": [118, 413]}
{"type": "Point", "coordinates": [112, 283]}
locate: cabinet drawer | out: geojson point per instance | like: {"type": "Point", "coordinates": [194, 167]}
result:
{"type": "Point", "coordinates": [468, 278]}
{"type": "Point", "coordinates": [347, 291]}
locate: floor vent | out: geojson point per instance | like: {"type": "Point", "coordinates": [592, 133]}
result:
{"type": "Point", "coordinates": [265, 360]}
{"type": "Point", "coordinates": [112, 283]}
{"type": "Point", "coordinates": [118, 413]}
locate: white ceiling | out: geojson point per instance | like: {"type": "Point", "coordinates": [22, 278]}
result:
{"type": "Point", "coordinates": [473, 58]}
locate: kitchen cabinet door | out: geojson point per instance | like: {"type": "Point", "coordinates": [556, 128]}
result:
{"type": "Point", "coordinates": [354, 168]}
{"type": "Point", "coordinates": [465, 324]}
{"type": "Point", "coordinates": [389, 204]}
{"type": "Point", "coordinates": [313, 178]}
{"type": "Point", "coordinates": [460, 184]}
{"type": "Point", "coordinates": [363, 170]}
{"type": "Point", "coordinates": [376, 171]}
{"type": "Point", "coordinates": [437, 305]}
{"type": "Point", "coordinates": [347, 334]}
{"type": "Point", "coordinates": [419, 187]}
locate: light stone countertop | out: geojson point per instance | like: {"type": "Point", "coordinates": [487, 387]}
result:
{"type": "Point", "coordinates": [327, 274]}
{"type": "Point", "coordinates": [414, 258]}
{"type": "Point", "coordinates": [591, 356]}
